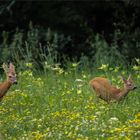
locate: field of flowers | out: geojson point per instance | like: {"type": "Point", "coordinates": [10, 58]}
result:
{"type": "Point", "coordinates": [60, 105]}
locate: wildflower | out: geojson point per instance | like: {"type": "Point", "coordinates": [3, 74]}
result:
{"type": "Point", "coordinates": [138, 115]}
{"type": "Point", "coordinates": [38, 135]}
{"type": "Point", "coordinates": [113, 120]}
{"type": "Point", "coordinates": [23, 94]}
{"type": "Point", "coordinates": [84, 76]}
{"type": "Point", "coordinates": [84, 138]}
{"type": "Point", "coordinates": [78, 80]}
{"type": "Point", "coordinates": [79, 91]}
{"type": "Point", "coordinates": [61, 71]}
{"type": "Point", "coordinates": [47, 66]}
{"type": "Point", "coordinates": [136, 68]}
{"type": "Point", "coordinates": [103, 67]}
{"type": "Point", "coordinates": [74, 64]}
{"type": "Point", "coordinates": [118, 129]}
{"type": "Point", "coordinates": [27, 73]}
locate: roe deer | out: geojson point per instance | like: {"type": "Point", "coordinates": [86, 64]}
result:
{"type": "Point", "coordinates": [11, 79]}
{"type": "Point", "coordinates": [107, 92]}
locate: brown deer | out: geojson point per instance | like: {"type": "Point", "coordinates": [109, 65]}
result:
{"type": "Point", "coordinates": [10, 79]}
{"type": "Point", "coordinates": [107, 92]}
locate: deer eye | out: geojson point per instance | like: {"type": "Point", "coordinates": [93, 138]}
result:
{"type": "Point", "coordinates": [10, 76]}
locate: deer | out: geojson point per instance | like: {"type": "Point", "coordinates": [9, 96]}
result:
{"type": "Point", "coordinates": [108, 92]}
{"type": "Point", "coordinates": [11, 79]}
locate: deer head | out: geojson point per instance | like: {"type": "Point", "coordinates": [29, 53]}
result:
{"type": "Point", "coordinates": [10, 73]}
{"type": "Point", "coordinates": [128, 84]}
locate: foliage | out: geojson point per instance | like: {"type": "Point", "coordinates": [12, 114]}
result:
{"type": "Point", "coordinates": [71, 29]}
{"type": "Point", "coordinates": [35, 46]}
{"type": "Point", "coordinates": [39, 45]}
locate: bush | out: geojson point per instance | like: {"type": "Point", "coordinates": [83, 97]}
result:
{"type": "Point", "coordinates": [38, 46]}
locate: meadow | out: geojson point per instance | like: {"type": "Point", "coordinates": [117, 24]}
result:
{"type": "Point", "coordinates": [58, 104]}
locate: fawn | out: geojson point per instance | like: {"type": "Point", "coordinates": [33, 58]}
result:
{"type": "Point", "coordinates": [11, 79]}
{"type": "Point", "coordinates": [107, 92]}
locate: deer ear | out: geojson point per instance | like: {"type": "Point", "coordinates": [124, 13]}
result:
{"type": "Point", "coordinates": [5, 67]}
{"type": "Point", "coordinates": [129, 77]}
{"type": "Point", "coordinates": [123, 79]}
{"type": "Point", "coordinates": [11, 66]}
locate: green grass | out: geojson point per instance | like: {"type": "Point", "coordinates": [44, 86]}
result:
{"type": "Point", "coordinates": [60, 105]}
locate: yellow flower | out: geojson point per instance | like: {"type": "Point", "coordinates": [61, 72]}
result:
{"type": "Point", "coordinates": [61, 71]}
{"type": "Point", "coordinates": [85, 138]}
{"type": "Point", "coordinates": [103, 67]}
{"type": "Point", "coordinates": [79, 91]}
{"type": "Point", "coordinates": [118, 129]}
{"type": "Point", "coordinates": [138, 115]}
{"type": "Point", "coordinates": [38, 135]}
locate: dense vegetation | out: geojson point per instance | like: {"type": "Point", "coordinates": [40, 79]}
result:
{"type": "Point", "coordinates": [101, 31]}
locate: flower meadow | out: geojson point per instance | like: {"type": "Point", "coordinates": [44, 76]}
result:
{"type": "Point", "coordinates": [59, 104]}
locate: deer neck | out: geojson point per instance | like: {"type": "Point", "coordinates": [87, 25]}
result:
{"type": "Point", "coordinates": [4, 87]}
{"type": "Point", "coordinates": [123, 93]}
